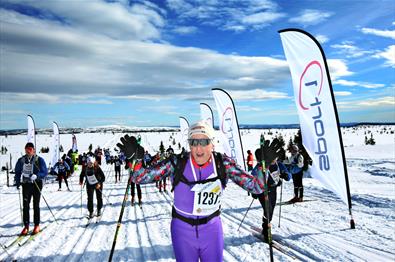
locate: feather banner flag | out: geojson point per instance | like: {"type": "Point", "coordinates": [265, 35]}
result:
{"type": "Point", "coordinates": [55, 143]}
{"type": "Point", "coordinates": [31, 130]}
{"type": "Point", "coordinates": [206, 114]}
{"type": "Point", "coordinates": [184, 127]}
{"type": "Point", "coordinates": [229, 126]}
{"type": "Point", "coordinates": [319, 121]}
{"type": "Point", "coordinates": [74, 143]}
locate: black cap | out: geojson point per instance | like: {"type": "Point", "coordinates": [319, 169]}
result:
{"type": "Point", "coordinates": [29, 144]}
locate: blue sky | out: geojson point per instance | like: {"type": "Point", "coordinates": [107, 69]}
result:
{"type": "Point", "coordinates": [145, 63]}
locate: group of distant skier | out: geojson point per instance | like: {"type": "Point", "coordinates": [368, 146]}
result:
{"type": "Point", "coordinates": [198, 180]}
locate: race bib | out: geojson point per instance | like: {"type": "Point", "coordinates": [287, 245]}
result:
{"type": "Point", "coordinates": [92, 180]}
{"type": "Point", "coordinates": [207, 197]}
{"type": "Point", "coordinates": [27, 168]}
{"type": "Point", "coordinates": [276, 176]}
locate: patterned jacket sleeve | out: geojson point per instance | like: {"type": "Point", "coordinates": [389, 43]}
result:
{"type": "Point", "coordinates": [252, 183]}
{"type": "Point", "coordinates": [154, 173]}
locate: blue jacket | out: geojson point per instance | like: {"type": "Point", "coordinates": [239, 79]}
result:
{"type": "Point", "coordinates": [61, 168]}
{"type": "Point", "coordinates": [39, 168]}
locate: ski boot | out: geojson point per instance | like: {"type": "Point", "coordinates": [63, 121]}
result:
{"type": "Point", "coordinates": [293, 200]}
{"type": "Point", "coordinates": [24, 232]}
{"type": "Point", "coordinates": [36, 229]}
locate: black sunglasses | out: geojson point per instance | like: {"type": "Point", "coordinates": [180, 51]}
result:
{"type": "Point", "coordinates": [196, 142]}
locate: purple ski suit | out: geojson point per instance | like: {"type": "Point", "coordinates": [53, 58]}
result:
{"type": "Point", "coordinates": [193, 239]}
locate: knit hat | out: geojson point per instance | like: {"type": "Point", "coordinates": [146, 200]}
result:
{"type": "Point", "coordinates": [201, 128]}
{"type": "Point", "coordinates": [29, 144]}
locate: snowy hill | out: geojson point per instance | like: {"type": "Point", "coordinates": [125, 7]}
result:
{"type": "Point", "coordinates": [315, 230]}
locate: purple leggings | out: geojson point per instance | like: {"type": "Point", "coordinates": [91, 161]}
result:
{"type": "Point", "coordinates": [206, 242]}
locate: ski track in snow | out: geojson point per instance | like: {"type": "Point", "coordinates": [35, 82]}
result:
{"type": "Point", "coordinates": [317, 230]}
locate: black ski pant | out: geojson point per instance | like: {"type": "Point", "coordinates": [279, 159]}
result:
{"type": "Point", "coordinates": [297, 179]}
{"type": "Point", "coordinates": [30, 190]}
{"type": "Point", "coordinates": [64, 177]}
{"type": "Point", "coordinates": [118, 171]}
{"type": "Point", "coordinates": [272, 204]}
{"type": "Point", "coordinates": [132, 186]}
{"type": "Point", "coordinates": [90, 189]}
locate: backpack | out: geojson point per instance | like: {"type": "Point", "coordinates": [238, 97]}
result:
{"type": "Point", "coordinates": [180, 166]}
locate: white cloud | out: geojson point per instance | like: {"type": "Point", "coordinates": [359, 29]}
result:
{"type": "Point", "coordinates": [45, 98]}
{"type": "Point", "coordinates": [322, 38]}
{"type": "Point", "coordinates": [185, 30]}
{"type": "Point", "coordinates": [388, 54]}
{"type": "Point", "coordinates": [227, 15]}
{"type": "Point", "coordinates": [383, 33]}
{"type": "Point", "coordinates": [248, 109]}
{"type": "Point", "coordinates": [257, 94]}
{"type": "Point", "coordinates": [342, 93]}
{"type": "Point", "coordinates": [381, 102]}
{"type": "Point", "coordinates": [111, 19]}
{"type": "Point", "coordinates": [311, 17]}
{"type": "Point", "coordinates": [354, 83]}
{"type": "Point", "coordinates": [338, 68]}
{"type": "Point", "coordinates": [350, 50]}
{"type": "Point", "coordinates": [262, 18]}
{"type": "Point", "coordinates": [59, 61]}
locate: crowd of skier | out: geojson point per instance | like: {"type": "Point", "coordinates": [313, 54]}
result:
{"type": "Point", "coordinates": [196, 179]}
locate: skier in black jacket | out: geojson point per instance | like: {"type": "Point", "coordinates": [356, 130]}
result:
{"type": "Point", "coordinates": [277, 172]}
{"type": "Point", "coordinates": [94, 182]}
{"type": "Point", "coordinates": [30, 170]}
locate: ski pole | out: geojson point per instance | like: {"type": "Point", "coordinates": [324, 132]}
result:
{"type": "Point", "coordinates": [281, 199]}
{"type": "Point", "coordinates": [248, 209]}
{"type": "Point", "coordinates": [82, 186]}
{"type": "Point", "coordinates": [121, 213]}
{"type": "Point", "coordinates": [39, 190]}
{"type": "Point", "coordinates": [20, 205]}
{"type": "Point", "coordinates": [106, 197]}
{"type": "Point", "coordinates": [266, 198]}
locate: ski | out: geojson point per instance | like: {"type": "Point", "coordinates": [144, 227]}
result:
{"type": "Point", "coordinates": [98, 218]}
{"type": "Point", "coordinates": [290, 203]}
{"type": "Point", "coordinates": [275, 245]}
{"type": "Point", "coordinates": [256, 232]}
{"type": "Point", "coordinates": [90, 219]}
{"type": "Point", "coordinates": [31, 237]}
{"type": "Point", "coordinates": [16, 240]}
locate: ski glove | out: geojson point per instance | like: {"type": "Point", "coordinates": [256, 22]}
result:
{"type": "Point", "coordinates": [33, 177]}
{"type": "Point", "coordinates": [131, 148]}
{"type": "Point", "coordinates": [268, 152]}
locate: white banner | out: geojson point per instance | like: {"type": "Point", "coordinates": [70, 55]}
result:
{"type": "Point", "coordinates": [74, 144]}
{"type": "Point", "coordinates": [206, 114]}
{"type": "Point", "coordinates": [316, 108]}
{"type": "Point", "coordinates": [228, 126]}
{"type": "Point", "coordinates": [184, 127]}
{"type": "Point", "coordinates": [31, 131]}
{"type": "Point", "coordinates": [55, 143]}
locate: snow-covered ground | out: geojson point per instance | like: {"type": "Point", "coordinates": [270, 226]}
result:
{"type": "Point", "coordinates": [316, 230]}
